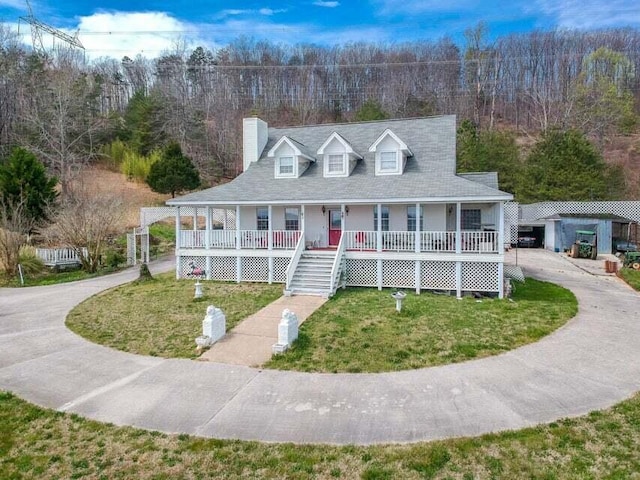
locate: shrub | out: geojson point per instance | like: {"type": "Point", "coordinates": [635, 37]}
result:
{"type": "Point", "coordinates": [113, 258]}
{"type": "Point", "coordinates": [29, 261]}
{"type": "Point", "coordinates": [137, 167]}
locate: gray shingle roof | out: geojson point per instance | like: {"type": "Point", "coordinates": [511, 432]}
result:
{"type": "Point", "coordinates": [490, 179]}
{"type": "Point", "coordinates": [428, 175]}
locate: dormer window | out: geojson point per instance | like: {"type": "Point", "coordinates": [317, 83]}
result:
{"type": "Point", "coordinates": [391, 153]}
{"type": "Point", "coordinates": [339, 156]}
{"type": "Point", "coordinates": [335, 164]}
{"type": "Point", "coordinates": [285, 166]}
{"type": "Point", "coordinates": [291, 158]}
{"type": "Point", "coordinates": [389, 161]}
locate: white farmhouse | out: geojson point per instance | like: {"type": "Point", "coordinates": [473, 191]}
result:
{"type": "Point", "coordinates": [374, 204]}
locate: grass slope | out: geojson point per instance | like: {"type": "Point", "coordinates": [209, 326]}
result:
{"type": "Point", "coordinates": [360, 331]}
{"type": "Point", "coordinates": [161, 317]}
{"type": "Point", "coordinates": [42, 444]}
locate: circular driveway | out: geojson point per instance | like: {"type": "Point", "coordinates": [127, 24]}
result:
{"type": "Point", "coordinates": [590, 363]}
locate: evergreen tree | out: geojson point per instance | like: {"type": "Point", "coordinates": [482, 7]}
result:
{"type": "Point", "coordinates": [143, 128]}
{"type": "Point", "coordinates": [564, 166]}
{"type": "Point", "coordinates": [23, 179]}
{"type": "Point", "coordinates": [489, 151]}
{"type": "Point", "coordinates": [173, 173]}
{"type": "Point", "coordinates": [370, 110]}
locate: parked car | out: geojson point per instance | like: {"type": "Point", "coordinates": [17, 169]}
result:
{"type": "Point", "coordinates": [526, 241]}
{"type": "Point", "coordinates": [624, 246]}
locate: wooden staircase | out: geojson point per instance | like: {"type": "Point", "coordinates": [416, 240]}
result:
{"type": "Point", "coordinates": [313, 273]}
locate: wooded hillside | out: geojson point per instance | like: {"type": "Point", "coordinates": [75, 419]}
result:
{"type": "Point", "coordinates": [69, 111]}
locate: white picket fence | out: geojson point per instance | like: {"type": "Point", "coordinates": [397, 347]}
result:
{"type": "Point", "coordinates": [52, 257]}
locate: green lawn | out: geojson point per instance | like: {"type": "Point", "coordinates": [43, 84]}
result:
{"type": "Point", "coordinates": [161, 317]}
{"type": "Point", "coordinates": [360, 331]}
{"type": "Point", "coordinates": [42, 444]}
{"type": "Point", "coordinates": [632, 277]}
{"type": "Point", "coordinates": [49, 277]}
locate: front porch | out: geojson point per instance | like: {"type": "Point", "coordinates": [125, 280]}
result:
{"type": "Point", "coordinates": [318, 248]}
{"type": "Point", "coordinates": [360, 240]}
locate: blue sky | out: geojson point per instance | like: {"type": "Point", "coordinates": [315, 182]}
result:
{"type": "Point", "coordinates": [118, 27]}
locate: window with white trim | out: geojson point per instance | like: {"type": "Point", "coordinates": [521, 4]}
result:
{"type": "Point", "coordinates": [384, 219]}
{"type": "Point", "coordinates": [471, 219]}
{"type": "Point", "coordinates": [389, 161]}
{"type": "Point", "coordinates": [335, 163]}
{"type": "Point", "coordinates": [285, 166]}
{"type": "Point", "coordinates": [291, 218]}
{"type": "Point", "coordinates": [411, 218]}
{"type": "Point", "coordinates": [262, 218]}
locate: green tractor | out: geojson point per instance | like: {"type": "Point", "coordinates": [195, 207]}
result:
{"type": "Point", "coordinates": [585, 246]}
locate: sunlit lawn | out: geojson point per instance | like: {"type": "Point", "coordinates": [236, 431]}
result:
{"type": "Point", "coordinates": [359, 330]}
{"type": "Point", "coordinates": [161, 317]}
{"type": "Point", "coordinates": [42, 444]}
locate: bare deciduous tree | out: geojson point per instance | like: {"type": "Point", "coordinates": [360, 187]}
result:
{"type": "Point", "coordinates": [15, 225]}
{"type": "Point", "coordinates": [86, 219]}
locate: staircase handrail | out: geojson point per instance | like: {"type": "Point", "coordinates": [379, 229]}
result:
{"type": "Point", "coordinates": [291, 268]}
{"type": "Point", "coordinates": [337, 264]}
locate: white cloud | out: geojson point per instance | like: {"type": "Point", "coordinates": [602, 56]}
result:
{"type": "Point", "coordinates": [327, 4]}
{"type": "Point", "coordinates": [589, 14]}
{"type": "Point", "coordinates": [17, 4]}
{"type": "Point", "coordinates": [417, 7]}
{"type": "Point", "coordinates": [117, 34]}
{"type": "Point", "coordinates": [271, 11]}
{"type": "Point", "coordinates": [233, 11]}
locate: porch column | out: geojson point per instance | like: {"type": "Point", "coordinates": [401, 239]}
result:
{"type": "Point", "coordinates": [501, 227]}
{"type": "Point", "coordinates": [238, 246]}
{"type": "Point", "coordinates": [178, 243]}
{"type": "Point", "coordinates": [302, 225]}
{"type": "Point", "coordinates": [270, 246]}
{"type": "Point", "coordinates": [458, 227]}
{"type": "Point", "coordinates": [343, 220]}
{"type": "Point", "coordinates": [207, 232]}
{"type": "Point", "coordinates": [238, 227]}
{"type": "Point", "coordinates": [379, 229]}
{"type": "Point", "coordinates": [270, 228]}
{"type": "Point", "coordinates": [195, 218]}
{"type": "Point", "coordinates": [207, 242]}
{"type": "Point", "coordinates": [501, 250]}
{"type": "Point", "coordinates": [418, 228]}
{"type": "Point", "coordinates": [224, 220]}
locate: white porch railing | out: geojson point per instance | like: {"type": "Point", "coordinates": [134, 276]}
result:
{"type": "Point", "coordinates": [222, 239]}
{"type": "Point", "coordinates": [192, 238]}
{"type": "Point", "coordinates": [338, 264]}
{"type": "Point", "coordinates": [363, 240]}
{"type": "Point", "coordinates": [481, 242]}
{"type": "Point", "coordinates": [249, 239]}
{"type": "Point", "coordinates": [360, 240]}
{"type": "Point", "coordinates": [437, 241]}
{"type": "Point", "coordinates": [59, 256]}
{"type": "Point", "coordinates": [293, 264]}
{"type": "Point", "coordinates": [430, 241]}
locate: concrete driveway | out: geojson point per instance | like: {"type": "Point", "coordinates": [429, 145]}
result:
{"type": "Point", "coordinates": [591, 363]}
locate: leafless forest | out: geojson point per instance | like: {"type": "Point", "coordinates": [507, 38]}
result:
{"type": "Point", "coordinates": [64, 108]}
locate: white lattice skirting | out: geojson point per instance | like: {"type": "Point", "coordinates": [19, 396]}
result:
{"type": "Point", "coordinates": [251, 269]}
{"type": "Point", "coordinates": [432, 275]}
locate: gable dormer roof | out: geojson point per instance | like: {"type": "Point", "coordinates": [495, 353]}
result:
{"type": "Point", "coordinates": [347, 146]}
{"type": "Point", "coordinates": [388, 133]}
{"type": "Point", "coordinates": [299, 149]}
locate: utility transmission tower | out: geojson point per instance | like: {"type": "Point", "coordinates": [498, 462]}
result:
{"type": "Point", "coordinates": [37, 27]}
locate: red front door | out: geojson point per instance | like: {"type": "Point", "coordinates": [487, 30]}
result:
{"type": "Point", "coordinates": [335, 227]}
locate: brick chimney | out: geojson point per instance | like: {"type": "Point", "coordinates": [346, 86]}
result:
{"type": "Point", "coordinates": [254, 139]}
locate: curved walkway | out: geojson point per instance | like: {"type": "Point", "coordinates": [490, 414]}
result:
{"type": "Point", "coordinates": [591, 363]}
